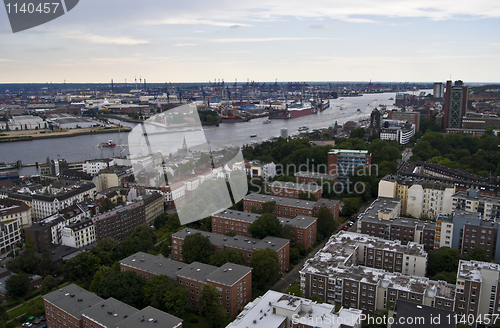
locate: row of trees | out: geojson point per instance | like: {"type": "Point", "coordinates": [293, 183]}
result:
{"type": "Point", "coordinates": [477, 155]}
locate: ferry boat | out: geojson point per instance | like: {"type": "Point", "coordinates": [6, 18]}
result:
{"type": "Point", "coordinates": [266, 121]}
{"type": "Point", "coordinates": [253, 136]}
{"type": "Point", "coordinates": [110, 143]}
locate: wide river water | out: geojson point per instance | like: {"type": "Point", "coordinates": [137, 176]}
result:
{"type": "Point", "coordinates": [80, 148]}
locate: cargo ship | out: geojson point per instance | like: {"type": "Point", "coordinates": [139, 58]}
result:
{"type": "Point", "coordinates": [321, 105]}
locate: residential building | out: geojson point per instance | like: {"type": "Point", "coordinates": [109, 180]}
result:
{"type": "Point", "coordinates": [234, 282]}
{"type": "Point", "coordinates": [304, 227]}
{"type": "Point", "coordinates": [410, 315]}
{"type": "Point", "coordinates": [420, 197]}
{"type": "Point", "coordinates": [10, 235]}
{"type": "Point", "coordinates": [472, 201]}
{"type": "Point", "coordinates": [120, 221]}
{"type": "Point", "coordinates": [278, 310]}
{"type": "Point", "coordinates": [438, 91]}
{"type": "Point", "coordinates": [78, 234]}
{"type": "Point", "coordinates": [114, 176]}
{"type": "Point", "coordinates": [400, 132]}
{"type": "Point", "coordinates": [338, 274]}
{"type": "Point", "coordinates": [15, 209]}
{"type": "Point", "coordinates": [73, 307]}
{"type": "Point", "coordinates": [345, 161]}
{"type": "Point", "coordinates": [45, 205]}
{"type": "Point", "coordinates": [477, 290]}
{"type": "Point", "coordinates": [289, 207]}
{"type": "Point", "coordinates": [313, 177]}
{"type": "Point", "coordinates": [293, 190]}
{"type": "Point", "coordinates": [94, 166]}
{"type": "Point", "coordinates": [257, 169]}
{"type": "Point", "coordinates": [247, 246]}
{"type": "Point", "coordinates": [153, 206]}
{"type": "Point", "coordinates": [409, 117]}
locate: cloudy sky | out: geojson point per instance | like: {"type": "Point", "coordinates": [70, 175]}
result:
{"type": "Point", "coordinates": [292, 40]}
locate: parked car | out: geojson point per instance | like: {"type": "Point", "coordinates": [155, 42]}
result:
{"type": "Point", "coordinates": [27, 324]}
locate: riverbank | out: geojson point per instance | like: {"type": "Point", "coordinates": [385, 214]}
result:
{"type": "Point", "coordinates": [27, 135]}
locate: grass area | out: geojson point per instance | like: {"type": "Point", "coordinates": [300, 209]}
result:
{"type": "Point", "coordinates": [33, 307]}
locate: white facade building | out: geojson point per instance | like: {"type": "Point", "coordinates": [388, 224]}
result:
{"type": "Point", "coordinates": [431, 199]}
{"type": "Point", "coordinates": [93, 167]}
{"type": "Point", "coordinates": [78, 234]}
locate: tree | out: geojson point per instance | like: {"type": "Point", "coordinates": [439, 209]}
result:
{"type": "Point", "coordinates": [26, 262]}
{"type": "Point", "coordinates": [46, 263]}
{"type": "Point", "coordinates": [294, 289]}
{"type": "Point", "coordinates": [165, 295]}
{"type": "Point", "coordinates": [49, 283]}
{"type": "Point", "coordinates": [173, 222]}
{"type": "Point", "coordinates": [443, 259]}
{"type": "Point", "coordinates": [210, 307]}
{"type": "Point", "coordinates": [450, 277]}
{"type": "Point", "coordinates": [268, 207]}
{"type": "Point", "coordinates": [107, 205]}
{"type": "Point", "coordinates": [223, 256]}
{"type": "Point", "coordinates": [230, 233]}
{"type": "Point", "coordinates": [326, 222]}
{"type": "Point", "coordinates": [478, 253]}
{"type": "Point", "coordinates": [266, 266]}
{"type": "Point", "coordinates": [166, 248]}
{"type": "Point", "coordinates": [304, 195]}
{"type": "Point", "coordinates": [175, 300]}
{"type": "Point", "coordinates": [196, 248]}
{"type": "Point", "coordinates": [287, 232]}
{"type": "Point", "coordinates": [351, 206]}
{"type": "Point", "coordinates": [125, 286]}
{"type": "Point", "coordinates": [266, 225]}
{"type": "Point", "coordinates": [160, 221]}
{"type": "Point", "coordinates": [358, 133]}
{"type": "Point", "coordinates": [81, 267]}
{"type": "Point", "coordinates": [18, 285]}
{"type": "Point", "coordinates": [102, 273]}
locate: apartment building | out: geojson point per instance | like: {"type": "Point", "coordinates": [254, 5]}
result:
{"type": "Point", "coordinates": [93, 166]}
{"type": "Point", "coordinates": [466, 230]}
{"type": "Point", "coordinates": [119, 222]}
{"type": "Point", "coordinates": [311, 177]}
{"type": "Point", "coordinates": [234, 282]}
{"type": "Point", "coordinates": [472, 201]}
{"type": "Point", "coordinates": [477, 290]}
{"type": "Point", "coordinates": [10, 235]}
{"type": "Point", "coordinates": [289, 207]}
{"type": "Point", "coordinates": [381, 219]}
{"type": "Point", "coordinates": [246, 245]}
{"type": "Point", "coordinates": [304, 227]}
{"type": "Point", "coordinates": [419, 197]}
{"type": "Point", "coordinates": [278, 310]}
{"type": "Point", "coordinates": [74, 307]}
{"type": "Point", "coordinates": [344, 161]}
{"type": "Point", "coordinates": [293, 190]}
{"type": "Point", "coordinates": [15, 209]}
{"type": "Point", "coordinates": [78, 234]}
{"type": "Point", "coordinates": [153, 206]}
{"type": "Point", "coordinates": [45, 205]}
{"type": "Point", "coordinates": [339, 275]}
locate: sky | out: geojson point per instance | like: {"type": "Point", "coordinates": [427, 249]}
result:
{"type": "Point", "coordinates": [257, 40]}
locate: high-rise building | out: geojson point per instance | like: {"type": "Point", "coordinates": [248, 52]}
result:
{"type": "Point", "coordinates": [438, 90]}
{"type": "Point", "coordinates": [455, 104]}
{"type": "Point", "coordinates": [345, 161]}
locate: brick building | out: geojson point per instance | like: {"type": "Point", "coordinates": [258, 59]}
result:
{"type": "Point", "coordinates": [238, 243]}
{"type": "Point", "coordinates": [292, 190]}
{"type": "Point", "coordinates": [345, 161]}
{"type": "Point", "coordinates": [289, 207]}
{"type": "Point", "coordinates": [312, 177]}
{"type": "Point", "coordinates": [119, 222]}
{"type": "Point", "coordinates": [304, 227]}
{"type": "Point", "coordinates": [234, 282]}
{"type": "Point", "coordinates": [74, 307]}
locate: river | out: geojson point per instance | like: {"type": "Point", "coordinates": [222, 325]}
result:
{"type": "Point", "coordinates": [80, 148]}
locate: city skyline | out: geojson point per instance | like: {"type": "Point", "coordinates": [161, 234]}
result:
{"type": "Point", "coordinates": [260, 41]}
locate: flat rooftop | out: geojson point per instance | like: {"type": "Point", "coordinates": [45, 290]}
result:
{"type": "Point", "coordinates": [154, 264]}
{"type": "Point", "coordinates": [109, 312]}
{"type": "Point", "coordinates": [472, 270]}
{"type": "Point", "coordinates": [306, 187]}
{"type": "Point", "coordinates": [149, 317]}
{"type": "Point", "coordinates": [73, 299]}
{"type": "Point", "coordinates": [228, 274]}
{"type": "Point", "coordinates": [384, 205]}
{"type": "Point", "coordinates": [260, 312]}
{"type": "Point", "coordinates": [241, 242]}
{"type": "Point", "coordinates": [316, 175]}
